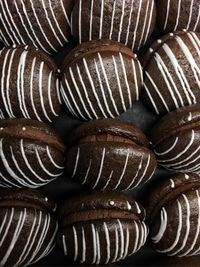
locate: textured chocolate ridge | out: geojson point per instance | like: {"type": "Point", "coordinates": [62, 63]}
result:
{"type": "Point", "coordinates": [111, 127]}
{"type": "Point", "coordinates": [93, 47]}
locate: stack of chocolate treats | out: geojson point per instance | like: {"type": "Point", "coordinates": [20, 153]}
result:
{"type": "Point", "coordinates": [115, 61]}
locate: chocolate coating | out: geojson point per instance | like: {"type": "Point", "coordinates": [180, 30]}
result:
{"type": "Point", "coordinates": [93, 238]}
{"type": "Point", "coordinates": [115, 20]}
{"type": "Point", "coordinates": [29, 84]}
{"type": "Point", "coordinates": [178, 15]}
{"type": "Point", "coordinates": [28, 227]}
{"type": "Point", "coordinates": [43, 24]}
{"type": "Point", "coordinates": [175, 140]}
{"type": "Point", "coordinates": [174, 215]}
{"type": "Point", "coordinates": [172, 68]}
{"type": "Point", "coordinates": [100, 79]}
{"type": "Point", "coordinates": [110, 155]}
{"type": "Point", "coordinates": [31, 154]}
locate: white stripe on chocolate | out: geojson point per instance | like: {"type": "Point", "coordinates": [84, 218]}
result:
{"type": "Point", "coordinates": [33, 36]}
{"type": "Point", "coordinates": [56, 165]}
{"type": "Point", "coordinates": [16, 234]}
{"type": "Point", "coordinates": [86, 93]}
{"type": "Point", "coordinates": [76, 162]}
{"type": "Point", "coordinates": [50, 24]}
{"type": "Point", "coordinates": [80, 22]}
{"type": "Point", "coordinates": [187, 227]}
{"type": "Point", "coordinates": [116, 244]}
{"type": "Point", "coordinates": [137, 24]}
{"type": "Point", "coordinates": [83, 246]}
{"type": "Point", "coordinates": [167, 15]}
{"type": "Point", "coordinates": [41, 164]}
{"type": "Point", "coordinates": [108, 180]}
{"type": "Point", "coordinates": [178, 155]}
{"type": "Point", "coordinates": [101, 19]}
{"type": "Point", "coordinates": [123, 170]}
{"type": "Point", "coordinates": [91, 19]}
{"type": "Point", "coordinates": [107, 83]}
{"type": "Point", "coordinates": [78, 92]}
{"type": "Point", "coordinates": [103, 91]}
{"type": "Point", "coordinates": [126, 79]}
{"type": "Point", "coordinates": [196, 234]}
{"type": "Point", "coordinates": [169, 149]}
{"type": "Point", "coordinates": [93, 86]}
{"type": "Point", "coordinates": [178, 15]}
{"type": "Point", "coordinates": [94, 244]}
{"type": "Point", "coordinates": [87, 172]}
{"type": "Point", "coordinates": [180, 223]}
{"type": "Point", "coordinates": [41, 29]}
{"type": "Point", "coordinates": [49, 94]}
{"type": "Point", "coordinates": [30, 183]}
{"type": "Point", "coordinates": [28, 165]}
{"type": "Point", "coordinates": [112, 20]}
{"type": "Point", "coordinates": [129, 22]}
{"type": "Point", "coordinates": [107, 242]}
{"type": "Point", "coordinates": [121, 21]}
{"type": "Point", "coordinates": [66, 100]}
{"type": "Point", "coordinates": [100, 168]}
{"type": "Point", "coordinates": [57, 22]}
{"type": "Point", "coordinates": [75, 243]}
{"type": "Point", "coordinates": [64, 245]}
{"type": "Point", "coordinates": [163, 226]}
{"type": "Point", "coordinates": [119, 83]}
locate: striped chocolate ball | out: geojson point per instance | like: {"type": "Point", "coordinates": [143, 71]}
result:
{"type": "Point", "coordinates": [178, 15]}
{"type": "Point", "coordinates": [29, 86]}
{"type": "Point", "coordinates": [28, 227]}
{"type": "Point", "coordinates": [44, 24]}
{"type": "Point", "coordinates": [100, 79]}
{"type": "Point", "coordinates": [172, 72]}
{"type": "Point", "coordinates": [130, 22]}
{"type": "Point", "coordinates": [31, 154]}
{"type": "Point", "coordinates": [174, 215]}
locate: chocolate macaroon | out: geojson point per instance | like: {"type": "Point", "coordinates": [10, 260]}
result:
{"type": "Point", "coordinates": [129, 22]}
{"type": "Point", "coordinates": [178, 15]}
{"type": "Point", "coordinates": [110, 155]}
{"type": "Point", "coordinates": [43, 24]}
{"type": "Point", "coordinates": [31, 153]}
{"type": "Point", "coordinates": [28, 226]}
{"type": "Point", "coordinates": [101, 228]}
{"type": "Point", "coordinates": [29, 84]}
{"type": "Point", "coordinates": [174, 215]}
{"type": "Point", "coordinates": [172, 72]}
{"type": "Point", "coordinates": [100, 79]}
{"type": "Point", "coordinates": [175, 139]}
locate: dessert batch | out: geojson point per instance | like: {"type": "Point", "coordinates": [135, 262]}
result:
{"type": "Point", "coordinates": [123, 51]}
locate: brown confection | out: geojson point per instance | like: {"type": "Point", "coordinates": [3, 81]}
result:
{"type": "Point", "coordinates": [174, 215]}
{"type": "Point", "coordinates": [178, 15]}
{"type": "Point", "coordinates": [100, 79]}
{"type": "Point", "coordinates": [43, 24]}
{"type": "Point", "coordinates": [129, 22]}
{"type": "Point", "coordinates": [110, 155]}
{"type": "Point", "coordinates": [31, 154]}
{"type": "Point", "coordinates": [101, 228]}
{"type": "Point", "coordinates": [28, 227]}
{"type": "Point", "coordinates": [175, 140]}
{"type": "Point", "coordinates": [29, 84]}
{"type": "Point", "coordinates": [172, 71]}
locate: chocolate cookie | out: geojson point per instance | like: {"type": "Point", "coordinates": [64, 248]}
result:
{"type": "Point", "coordinates": [110, 155]}
{"type": "Point", "coordinates": [172, 73]}
{"type": "Point", "coordinates": [174, 215]}
{"type": "Point", "coordinates": [31, 154]}
{"type": "Point", "coordinates": [128, 21]}
{"type": "Point", "coordinates": [43, 24]}
{"type": "Point", "coordinates": [178, 15]}
{"type": "Point", "coordinates": [175, 140]}
{"type": "Point", "coordinates": [101, 228]}
{"type": "Point", "coordinates": [29, 84]}
{"type": "Point", "coordinates": [100, 79]}
{"type": "Point", "coordinates": [28, 227]}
